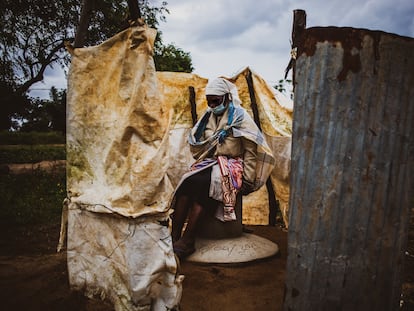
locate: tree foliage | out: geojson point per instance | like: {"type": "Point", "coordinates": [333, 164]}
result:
{"type": "Point", "coordinates": [170, 58]}
{"type": "Point", "coordinates": [45, 115]}
{"type": "Point", "coordinates": [33, 34]}
{"type": "Point", "coordinates": [12, 104]}
{"type": "Point", "coordinates": [285, 86]}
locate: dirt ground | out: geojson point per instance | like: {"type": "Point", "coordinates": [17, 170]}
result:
{"type": "Point", "coordinates": [34, 277]}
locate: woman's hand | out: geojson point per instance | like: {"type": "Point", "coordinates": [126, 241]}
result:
{"type": "Point", "coordinates": [246, 187]}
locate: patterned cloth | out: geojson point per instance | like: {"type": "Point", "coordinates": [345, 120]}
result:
{"type": "Point", "coordinates": [231, 181]}
{"type": "Point", "coordinates": [199, 165]}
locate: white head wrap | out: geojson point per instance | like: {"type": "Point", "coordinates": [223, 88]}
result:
{"type": "Point", "coordinates": [221, 86]}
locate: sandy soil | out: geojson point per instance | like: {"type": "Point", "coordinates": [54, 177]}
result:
{"type": "Point", "coordinates": [34, 277]}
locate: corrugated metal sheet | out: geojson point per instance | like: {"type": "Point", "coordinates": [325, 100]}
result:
{"type": "Point", "coordinates": [352, 169]}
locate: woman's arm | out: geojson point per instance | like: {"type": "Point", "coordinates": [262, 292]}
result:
{"type": "Point", "coordinates": [249, 160]}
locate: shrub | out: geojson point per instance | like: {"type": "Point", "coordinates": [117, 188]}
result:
{"type": "Point", "coordinates": [35, 198]}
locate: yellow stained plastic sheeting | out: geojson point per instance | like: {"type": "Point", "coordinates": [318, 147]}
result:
{"type": "Point", "coordinates": [118, 157]}
{"type": "Point", "coordinates": [174, 87]}
{"type": "Point", "coordinates": [118, 128]}
{"type": "Point", "coordinates": [281, 147]}
{"type": "Point", "coordinates": [274, 109]}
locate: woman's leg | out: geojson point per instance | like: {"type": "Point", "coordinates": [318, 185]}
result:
{"type": "Point", "coordinates": [179, 216]}
{"type": "Point", "coordinates": [185, 245]}
{"type": "Point", "coordinates": [191, 193]}
{"type": "Point", "coordinates": [190, 231]}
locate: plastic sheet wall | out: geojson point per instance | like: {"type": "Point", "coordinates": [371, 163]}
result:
{"type": "Point", "coordinates": [118, 242]}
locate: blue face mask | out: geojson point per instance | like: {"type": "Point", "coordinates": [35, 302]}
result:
{"type": "Point", "coordinates": [219, 110]}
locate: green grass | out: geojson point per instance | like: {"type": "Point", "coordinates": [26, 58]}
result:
{"type": "Point", "coordinates": [34, 198]}
{"type": "Point", "coordinates": [31, 138]}
{"type": "Point", "coordinates": [31, 153]}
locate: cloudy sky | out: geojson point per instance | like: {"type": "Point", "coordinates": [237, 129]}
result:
{"type": "Point", "coordinates": [225, 36]}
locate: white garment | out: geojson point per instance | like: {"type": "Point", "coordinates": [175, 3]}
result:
{"type": "Point", "coordinates": [221, 86]}
{"type": "Point", "coordinates": [216, 188]}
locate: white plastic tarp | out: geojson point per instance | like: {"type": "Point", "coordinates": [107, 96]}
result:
{"type": "Point", "coordinates": [119, 243]}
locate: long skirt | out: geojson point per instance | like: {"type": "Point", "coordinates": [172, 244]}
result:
{"type": "Point", "coordinates": [197, 188]}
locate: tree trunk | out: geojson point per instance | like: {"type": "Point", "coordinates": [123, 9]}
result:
{"type": "Point", "coordinates": [82, 30]}
{"type": "Point", "coordinates": [352, 170]}
{"type": "Point", "coordinates": [134, 10]}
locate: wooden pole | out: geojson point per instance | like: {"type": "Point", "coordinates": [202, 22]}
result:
{"type": "Point", "coordinates": [82, 29]}
{"type": "Point", "coordinates": [134, 10]}
{"type": "Point", "coordinates": [299, 26]}
{"type": "Point", "coordinates": [273, 203]}
{"type": "Point", "coordinates": [86, 12]}
{"type": "Point", "coordinates": [193, 104]}
{"type": "Point", "coordinates": [352, 170]}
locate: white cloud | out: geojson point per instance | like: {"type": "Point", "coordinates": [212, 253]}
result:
{"type": "Point", "coordinates": [257, 33]}
{"type": "Point", "coordinates": [226, 36]}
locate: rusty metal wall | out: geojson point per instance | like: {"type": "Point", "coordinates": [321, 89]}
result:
{"type": "Point", "coordinates": [352, 170]}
